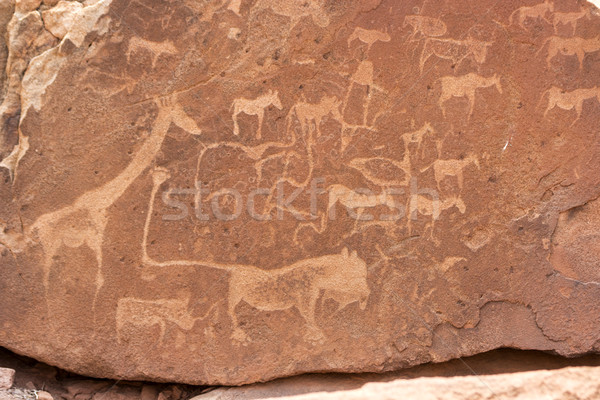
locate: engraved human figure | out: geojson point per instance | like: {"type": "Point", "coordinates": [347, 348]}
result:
{"type": "Point", "coordinates": [570, 18]}
{"type": "Point", "coordinates": [368, 36]}
{"type": "Point", "coordinates": [454, 50]}
{"type": "Point", "coordinates": [84, 221]}
{"type": "Point", "coordinates": [425, 26]}
{"type": "Point", "coordinates": [143, 313]}
{"type": "Point", "coordinates": [466, 85]}
{"type": "Point", "coordinates": [256, 107]}
{"type": "Point", "coordinates": [560, 98]}
{"type": "Point", "coordinates": [570, 47]}
{"type": "Point", "coordinates": [538, 11]}
{"type": "Point", "coordinates": [444, 168]}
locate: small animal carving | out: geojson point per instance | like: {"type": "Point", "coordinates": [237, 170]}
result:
{"type": "Point", "coordinates": [425, 26]}
{"type": "Point", "coordinates": [417, 136]}
{"type": "Point", "coordinates": [368, 36]}
{"type": "Point", "coordinates": [154, 48]}
{"type": "Point", "coordinates": [444, 168]}
{"type": "Point", "coordinates": [256, 107]}
{"type": "Point", "coordinates": [570, 100]}
{"type": "Point", "coordinates": [466, 85]}
{"type": "Point", "coordinates": [308, 113]}
{"type": "Point", "coordinates": [571, 19]}
{"type": "Point", "coordinates": [570, 47]}
{"type": "Point", "coordinates": [352, 199]}
{"type": "Point", "coordinates": [419, 204]}
{"type": "Point", "coordinates": [537, 12]}
{"type": "Point", "coordinates": [143, 313]}
{"type": "Point", "coordinates": [454, 50]}
{"type": "Point", "coordinates": [297, 9]}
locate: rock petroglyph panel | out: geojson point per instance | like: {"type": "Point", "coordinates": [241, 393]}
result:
{"type": "Point", "coordinates": [187, 186]}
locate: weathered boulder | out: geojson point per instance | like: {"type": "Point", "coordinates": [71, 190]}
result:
{"type": "Point", "coordinates": [231, 191]}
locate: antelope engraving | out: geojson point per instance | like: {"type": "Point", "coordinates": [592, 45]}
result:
{"type": "Point", "coordinates": [570, 100]}
{"type": "Point", "coordinates": [571, 47]}
{"type": "Point", "coordinates": [466, 86]}
{"type": "Point", "coordinates": [425, 26]}
{"type": "Point", "coordinates": [431, 207]}
{"type": "Point", "coordinates": [444, 168]}
{"type": "Point", "coordinates": [368, 36]}
{"type": "Point", "coordinates": [308, 113]}
{"type": "Point", "coordinates": [154, 48]}
{"type": "Point", "coordinates": [454, 50]}
{"type": "Point", "coordinates": [417, 137]}
{"type": "Point", "coordinates": [143, 313]}
{"type": "Point", "coordinates": [536, 12]}
{"type": "Point", "coordinates": [341, 277]}
{"type": "Point", "coordinates": [571, 19]}
{"type": "Point", "coordinates": [254, 107]}
{"type": "Point", "coordinates": [297, 9]}
{"type": "Point", "coordinates": [355, 200]}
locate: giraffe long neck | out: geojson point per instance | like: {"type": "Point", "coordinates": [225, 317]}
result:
{"type": "Point", "coordinates": [107, 194]}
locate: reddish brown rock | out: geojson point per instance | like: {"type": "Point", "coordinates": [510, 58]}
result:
{"type": "Point", "coordinates": [232, 191]}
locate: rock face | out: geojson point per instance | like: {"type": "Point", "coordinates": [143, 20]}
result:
{"type": "Point", "coordinates": [231, 191]}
